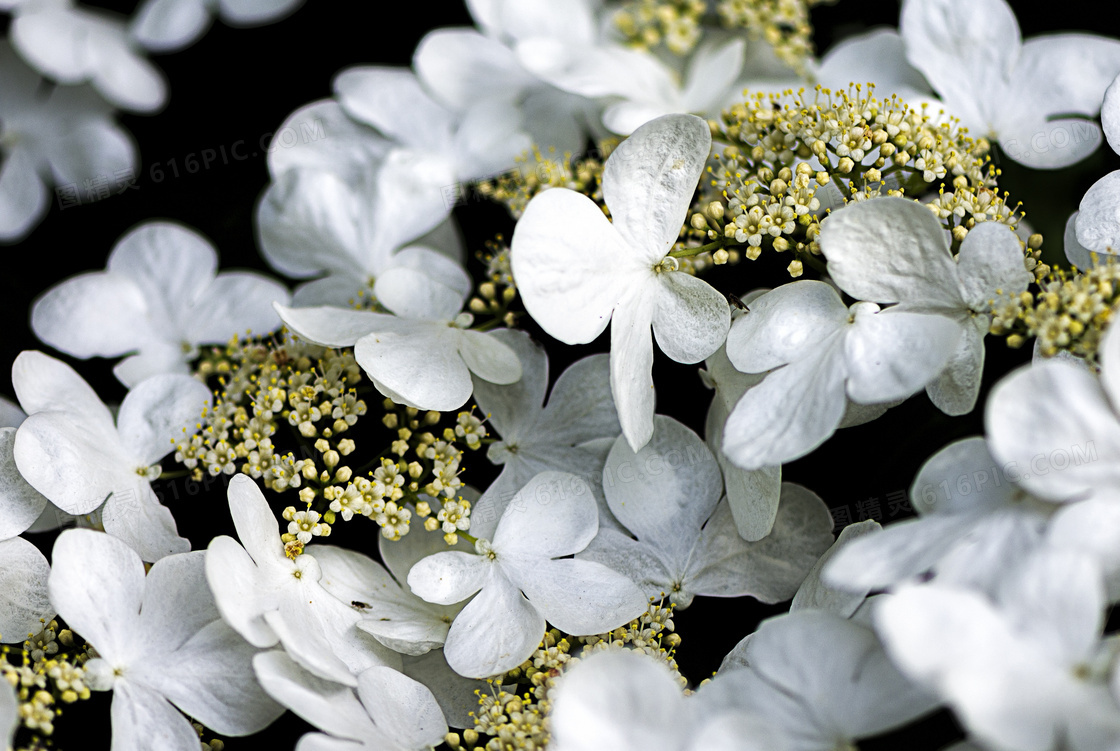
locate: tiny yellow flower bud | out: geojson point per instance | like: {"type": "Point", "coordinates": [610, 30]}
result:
{"type": "Point", "coordinates": [307, 495]}
{"type": "Point", "coordinates": [346, 446]}
{"type": "Point", "coordinates": [795, 268]}
{"type": "Point", "coordinates": [1034, 242]}
{"type": "Point", "coordinates": [1015, 341]}
{"type": "Point", "coordinates": [873, 175]}
{"type": "Point", "coordinates": [478, 306]}
{"type": "Point", "coordinates": [431, 418]}
{"type": "Point", "coordinates": [404, 434]}
{"type": "Point", "coordinates": [698, 221]}
{"type": "Point", "coordinates": [781, 244]}
{"type": "Point", "coordinates": [431, 524]}
{"type": "Point", "coordinates": [309, 472]}
{"type": "Point", "coordinates": [715, 210]}
{"type": "Point", "coordinates": [321, 445]}
{"type": "Point", "coordinates": [845, 165]}
{"type": "Point", "coordinates": [822, 178]}
{"type": "Point", "coordinates": [390, 420]}
{"type": "Point", "coordinates": [343, 474]}
{"type": "Point", "coordinates": [423, 509]}
{"type": "Point", "coordinates": [487, 290]}
{"type": "Point", "coordinates": [328, 517]}
{"type": "Point", "coordinates": [415, 470]}
{"type": "Point", "coordinates": [451, 538]}
{"type": "Point", "coordinates": [720, 257]}
{"type": "Point", "coordinates": [959, 233]}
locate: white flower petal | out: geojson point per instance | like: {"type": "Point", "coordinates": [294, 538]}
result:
{"type": "Point", "coordinates": [171, 264]}
{"type": "Point", "coordinates": [454, 693]}
{"type": "Point", "coordinates": [553, 515]}
{"type": "Point", "coordinates": [891, 250]}
{"type": "Point", "coordinates": [177, 602]}
{"type": "Point", "coordinates": [211, 679]}
{"type": "Point", "coordinates": [1076, 253]}
{"type": "Point", "coordinates": [638, 562]}
{"type": "Point", "coordinates": [156, 411]}
{"type": "Point", "coordinates": [417, 363]}
{"type": "Point", "coordinates": [135, 516]}
{"type": "Point", "coordinates": [1110, 115]}
{"type": "Point", "coordinates": [664, 492]}
{"type": "Point", "coordinates": [410, 293]}
{"type": "Point", "coordinates": [254, 521]}
{"type": "Point", "coordinates": [712, 73]}
{"type": "Point", "coordinates": [690, 318]}
{"type": "Point", "coordinates": [784, 325]}
{"type": "Point", "coordinates": [564, 254]}
{"type": "Point", "coordinates": [330, 326]}
{"type": "Point", "coordinates": [649, 181]}
{"type": "Point", "coordinates": [512, 409]}
{"type": "Point", "coordinates": [142, 719]}
{"type": "Point", "coordinates": [393, 101]}
{"type": "Point", "coordinates": [23, 590]}
{"type": "Point", "coordinates": [328, 706]}
{"type": "Point", "coordinates": [92, 314]}
{"type": "Point", "coordinates": [991, 259]}
{"type": "Point", "coordinates": [815, 594]}
{"type": "Point", "coordinates": [956, 389]}
{"type": "Point", "coordinates": [632, 367]}
{"type": "Point", "coordinates": [447, 578]}
{"type": "Point", "coordinates": [461, 67]}
{"type": "Point", "coordinates": [23, 195]}
{"type": "Point", "coordinates": [20, 504]}
{"type": "Point", "coordinates": [497, 631]}
{"type": "Point", "coordinates": [43, 383]}
{"type": "Point", "coordinates": [1069, 72]}
{"type": "Point", "coordinates": [1052, 449]}
{"type": "Point", "coordinates": [767, 427]}
{"type": "Point", "coordinates": [403, 709]}
{"type": "Point", "coordinates": [1098, 224]}
{"type": "Point", "coordinates": [488, 357]}
{"type": "Point", "coordinates": [255, 12]}
{"type": "Point", "coordinates": [892, 354]}
{"type": "Point", "coordinates": [1052, 144]}
{"type": "Point", "coordinates": [771, 569]}
{"type": "Point", "coordinates": [580, 597]}
{"type": "Point", "coordinates": [97, 585]}
{"type": "Point", "coordinates": [170, 25]}
{"type": "Point", "coordinates": [236, 303]}
{"type": "Point", "coordinates": [237, 591]}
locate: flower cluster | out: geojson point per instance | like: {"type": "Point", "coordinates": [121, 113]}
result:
{"type": "Point", "coordinates": [48, 673]}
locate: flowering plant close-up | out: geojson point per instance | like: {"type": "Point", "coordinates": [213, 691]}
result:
{"type": "Point", "coordinates": [585, 375]}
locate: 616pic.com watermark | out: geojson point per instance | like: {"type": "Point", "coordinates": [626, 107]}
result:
{"type": "Point", "coordinates": [102, 186]}
{"type": "Point", "coordinates": [981, 480]}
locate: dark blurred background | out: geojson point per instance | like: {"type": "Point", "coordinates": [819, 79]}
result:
{"type": "Point", "coordinates": [240, 84]}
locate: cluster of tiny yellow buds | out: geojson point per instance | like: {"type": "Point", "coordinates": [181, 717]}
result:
{"type": "Point", "coordinates": [646, 24]}
{"type": "Point", "coordinates": [1069, 313]}
{"type": "Point", "coordinates": [784, 24]}
{"type": "Point", "coordinates": [583, 174]}
{"type": "Point", "coordinates": [303, 525]}
{"type": "Point", "coordinates": [50, 672]}
{"type": "Point", "coordinates": [310, 387]}
{"type": "Point", "coordinates": [211, 745]}
{"type": "Point", "coordinates": [768, 182]}
{"type": "Point", "coordinates": [293, 548]}
{"type": "Point", "coordinates": [651, 633]}
{"type": "Point", "coordinates": [454, 517]}
{"type": "Point", "coordinates": [495, 295]}
{"type": "Point", "coordinates": [393, 520]}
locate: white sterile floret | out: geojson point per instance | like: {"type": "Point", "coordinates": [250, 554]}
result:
{"type": "Point", "coordinates": [462, 67]}
{"type": "Point", "coordinates": [628, 701]}
{"type": "Point", "coordinates": [160, 297]}
{"type": "Point", "coordinates": [388, 610]}
{"type": "Point", "coordinates": [317, 218]}
{"type": "Point", "coordinates": [386, 711]}
{"type": "Point", "coordinates": [9, 714]}
{"type": "Point", "coordinates": [826, 354]}
{"type": "Point", "coordinates": [1038, 97]}
{"type": "Point", "coordinates": [172, 25]}
{"type": "Point", "coordinates": [67, 132]}
{"type": "Point", "coordinates": [822, 680]}
{"type": "Point", "coordinates": [576, 270]}
{"type": "Point", "coordinates": [454, 147]}
{"type": "Point", "coordinates": [668, 495]}
{"type": "Point", "coordinates": [74, 45]}
{"type": "Point", "coordinates": [975, 523]}
{"type": "Point", "coordinates": [637, 86]}
{"type": "Point", "coordinates": [424, 355]}
{"type": "Point", "coordinates": [572, 433]}
{"type": "Point", "coordinates": [72, 451]}
{"type": "Point", "coordinates": [815, 594]}
{"type": "Point", "coordinates": [1022, 672]}
{"type": "Point", "coordinates": [1098, 221]}
{"type": "Point", "coordinates": [894, 250]}
{"type": "Point", "coordinates": [501, 627]}
{"type": "Point", "coordinates": [269, 598]}
{"type": "Point", "coordinates": [159, 641]}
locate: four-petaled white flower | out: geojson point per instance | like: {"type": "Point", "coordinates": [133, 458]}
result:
{"type": "Point", "coordinates": [270, 598]}
{"type": "Point", "coordinates": [668, 495]}
{"type": "Point", "coordinates": [159, 641]}
{"type": "Point", "coordinates": [821, 353]}
{"type": "Point", "coordinates": [577, 271]}
{"type": "Point", "coordinates": [160, 297]}
{"type": "Point", "coordinates": [524, 581]}
{"type": "Point", "coordinates": [572, 433]}
{"type": "Point", "coordinates": [1022, 93]}
{"type": "Point", "coordinates": [894, 250]}
{"type": "Point", "coordinates": [1098, 220]}
{"type": "Point", "coordinates": [72, 451]}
